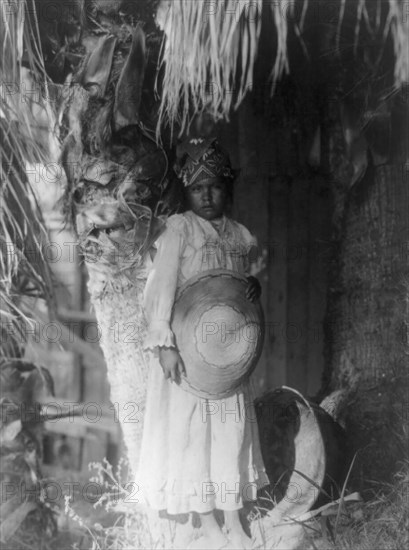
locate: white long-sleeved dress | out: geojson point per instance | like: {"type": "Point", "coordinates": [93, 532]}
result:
{"type": "Point", "coordinates": [195, 456]}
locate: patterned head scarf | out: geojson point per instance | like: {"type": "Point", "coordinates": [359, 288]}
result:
{"type": "Point", "coordinates": [201, 159]}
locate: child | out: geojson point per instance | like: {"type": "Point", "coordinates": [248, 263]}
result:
{"type": "Point", "coordinates": [191, 461]}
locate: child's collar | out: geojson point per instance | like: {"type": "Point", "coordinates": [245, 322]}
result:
{"type": "Point", "coordinates": [218, 225]}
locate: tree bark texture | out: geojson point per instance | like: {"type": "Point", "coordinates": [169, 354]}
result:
{"type": "Point", "coordinates": [367, 320]}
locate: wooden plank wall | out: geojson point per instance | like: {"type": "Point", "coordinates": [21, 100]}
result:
{"type": "Point", "coordinates": [288, 210]}
{"type": "Point", "coordinates": [76, 364]}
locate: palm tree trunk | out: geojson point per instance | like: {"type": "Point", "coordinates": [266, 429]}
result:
{"type": "Point", "coordinates": [367, 315]}
{"type": "Point", "coordinates": [122, 327]}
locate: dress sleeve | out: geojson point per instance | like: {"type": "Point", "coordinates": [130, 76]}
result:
{"type": "Point", "coordinates": [161, 286]}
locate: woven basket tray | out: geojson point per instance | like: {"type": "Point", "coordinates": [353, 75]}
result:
{"type": "Point", "coordinates": [219, 333]}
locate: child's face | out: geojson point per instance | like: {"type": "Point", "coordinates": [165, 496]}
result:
{"type": "Point", "coordinates": [207, 198]}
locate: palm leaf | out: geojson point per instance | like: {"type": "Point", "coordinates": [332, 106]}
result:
{"type": "Point", "coordinates": [23, 267]}
{"type": "Point", "coordinates": [215, 44]}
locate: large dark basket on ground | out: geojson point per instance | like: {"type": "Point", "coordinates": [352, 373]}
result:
{"type": "Point", "coordinates": [219, 333]}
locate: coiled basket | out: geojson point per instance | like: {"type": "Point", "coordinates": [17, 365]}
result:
{"type": "Point", "coordinates": [219, 332]}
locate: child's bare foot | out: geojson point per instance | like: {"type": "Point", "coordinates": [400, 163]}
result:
{"type": "Point", "coordinates": [240, 541]}
{"type": "Point", "coordinates": [213, 537]}
{"type": "Point", "coordinates": [210, 543]}
{"type": "Point", "coordinates": [235, 531]}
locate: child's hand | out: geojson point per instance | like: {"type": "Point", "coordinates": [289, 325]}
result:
{"type": "Point", "coordinates": [172, 364]}
{"type": "Point", "coordinates": [253, 290]}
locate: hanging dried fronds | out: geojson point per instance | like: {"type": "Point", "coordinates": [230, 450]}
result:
{"type": "Point", "coordinates": [281, 26]}
{"type": "Point", "coordinates": [397, 25]}
{"type": "Point", "coordinates": [208, 53]}
{"type": "Point", "coordinates": [210, 48]}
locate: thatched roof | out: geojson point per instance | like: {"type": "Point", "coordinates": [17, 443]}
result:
{"type": "Point", "coordinates": [210, 48]}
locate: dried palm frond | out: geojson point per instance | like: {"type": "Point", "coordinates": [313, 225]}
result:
{"type": "Point", "coordinates": [23, 272]}
{"type": "Point", "coordinates": [397, 25]}
{"type": "Point", "coordinates": [23, 268]}
{"type": "Point", "coordinates": [210, 48]}
{"type": "Point", "coordinates": [207, 46]}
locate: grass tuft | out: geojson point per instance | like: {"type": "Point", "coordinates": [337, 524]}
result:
{"type": "Point", "coordinates": [381, 523]}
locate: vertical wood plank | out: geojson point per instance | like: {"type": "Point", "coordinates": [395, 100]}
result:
{"type": "Point", "coordinates": [296, 328]}
{"type": "Point", "coordinates": [251, 204]}
{"type": "Point", "coordinates": [95, 447]}
{"type": "Point", "coordinates": [276, 314]}
{"type": "Point", "coordinates": [319, 249]}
